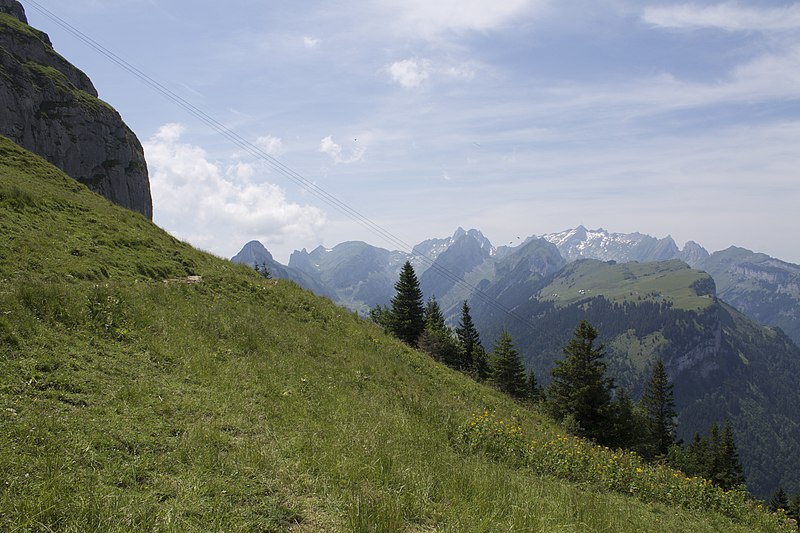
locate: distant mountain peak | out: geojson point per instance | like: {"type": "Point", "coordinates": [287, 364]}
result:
{"type": "Point", "coordinates": [253, 253]}
{"type": "Point", "coordinates": [459, 234]}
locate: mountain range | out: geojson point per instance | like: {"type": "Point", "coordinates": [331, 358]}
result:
{"type": "Point", "coordinates": [725, 323]}
{"type": "Point", "coordinates": [361, 276]}
{"type": "Point", "coordinates": [149, 386]}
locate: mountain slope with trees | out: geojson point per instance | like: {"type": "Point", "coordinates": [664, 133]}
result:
{"type": "Point", "coordinates": [147, 386]}
{"type": "Point", "coordinates": [723, 365]}
{"type": "Point", "coordinates": [150, 386]}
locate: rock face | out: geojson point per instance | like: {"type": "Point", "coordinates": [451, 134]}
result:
{"type": "Point", "coordinates": [51, 108]}
{"type": "Point", "coordinates": [14, 9]}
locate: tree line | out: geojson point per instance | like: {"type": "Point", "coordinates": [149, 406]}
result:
{"type": "Point", "coordinates": [581, 395]}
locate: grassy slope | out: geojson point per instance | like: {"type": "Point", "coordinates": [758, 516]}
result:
{"type": "Point", "coordinates": [236, 403]}
{"type": "Point", "coordinates": [657, 282]}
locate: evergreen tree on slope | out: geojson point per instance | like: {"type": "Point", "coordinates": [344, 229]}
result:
{"type": "Point", "coordinates": [406, 320]}
{"type": "Point", "coordinates": [779, 500]}
{"type": "Point", "coordinates": [659, 404]}
{"type": "Point", "coordinates": [730, 474]}
{"type": "Point", "coordinates": [580, 389]}
{"type": "Point", "coordinates": [468, 339]}
{"type": "Point", "coordinates": [437, 339]}
{"type": "Point", "coordinates": [508, 373]}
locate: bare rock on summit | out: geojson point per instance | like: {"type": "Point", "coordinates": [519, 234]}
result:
{"type": "Point", "coordinates": [51, 108]}
{"type": "Point", "coordinates": [13, 8]}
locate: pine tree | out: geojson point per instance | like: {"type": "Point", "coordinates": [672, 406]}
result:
{"type": "Point", "coordinates": [580, 389]}
{"type": "Point", "coordinates": [382, 316]}
{"type": "Point", "coordinates": [793, 511]}
{"type": "Point", "coordinates": [628, 423]}
{"type": "Point", "coordinates": [407, 316]}
{"type": "Point", "coordinates": [468, 339]}
{"type": "Point", "coordinates": [534, 391]}
{"type": "Point", "coordinates": [729, 474]}
{"type": "Point", "coordinates": [659, 404]}
{"type": "Point", "coordinates": [437, 339]}
{"type": "Point", "coordinates": [480, 364]}
{"type": "Point", "coordinates": [713, 464]}
{"type": "Point", "coordinates": [432, 315]}
{"type": "Point", "coordinates": [696, 457]}
{"type": "Point", "coordinates": [508, 373]}
{"type": "Point", "coordinates": [779, 500]}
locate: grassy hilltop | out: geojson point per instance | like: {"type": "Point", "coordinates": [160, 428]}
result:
{"type": "Point", "coordinates": [145, 385]}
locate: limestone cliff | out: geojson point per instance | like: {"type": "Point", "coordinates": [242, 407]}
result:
{"type": "Point", "coordinates": [51, 108]}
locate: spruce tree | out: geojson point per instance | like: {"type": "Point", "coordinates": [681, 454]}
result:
{"type": "Point", "coordinates": [628, 423]}
{"type": "Point", "coordinates": [779, 500]}
{"type": "Point", "coordinates": [730, 474]}
{"type": "Point", "coordinates": [534, 391]}
{"type": "Point", "coordinates": [480, 364]}
{"type": "Point", "coordinates": [406, 317]}
{"type": "Point", "coordinates": [713, 465]}
{"type": "Point", "coordinates": [580, 389]}
{"type": "Point", "coordinates": [468, 339]}
{"type": "Point", "coordinates": [696, 457]}
{"type": "Point", "coordinates": [432, 315]}
{"type": "Point", "coordinates": [508, 372]}
{"type": "Point", "coordinates": [659, 404]}
{"type": "Point", "coordinates": [437, 339]}
{"type": "Point", "coordinates": [382, 316]}
{"type": "Point", "coordinates": [793, 511]}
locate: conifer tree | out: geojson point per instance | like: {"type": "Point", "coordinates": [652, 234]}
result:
{"type": "Point", "coordinates": [468, 339]}
{"type": "Point", "coordinates": [434, 319]}
{"type": "Point", "coordinates": [793, 511]}
{"type": "Point", "coordinates": [713, 463]}
{"type": "Point", "coordinates": [696, 457]}
{"type": "Point", "coordinates": [382, 316]}
{"type": "Point", "coordinates": [508, 372]}
{"type": "Point", "coordinates": [714, 458]}
{"type": "Point", "coordinates": [580, 389]}
{"type": "Point", "coordinates": [406, 319]}
{"type": "Point", "coordinates": [779, 500]}
{"type": "Point", "coordinates": [437, 339]}
{"type": "Point", "coordinates": [730, 474]}
{"type": "Point", "coordinates": [628, 423]}
{"type": "Point", "coordinates": [534, 391]}
{"type": "Point", "coordinates": [659, 404]}
{"type": "Point", "coordinates": [480, 364]}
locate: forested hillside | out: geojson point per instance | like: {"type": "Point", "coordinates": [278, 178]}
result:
{"type": "Point", "coordinates": [724, 365]}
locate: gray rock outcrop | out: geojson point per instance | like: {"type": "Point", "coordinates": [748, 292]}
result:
{"type": "Point", "coordinates": [51, 108]}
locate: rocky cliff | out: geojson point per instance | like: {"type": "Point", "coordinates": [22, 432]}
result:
{"type": "Point", "coordinates": [51, 108]}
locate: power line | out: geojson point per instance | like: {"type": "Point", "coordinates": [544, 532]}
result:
{"type": "Point", "coordinates": [276, 165]}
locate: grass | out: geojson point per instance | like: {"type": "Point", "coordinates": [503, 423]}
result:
{"type": "Point", "coordinates": [133, 401]}
{"type": "Point", "coordinates": [666, 281]}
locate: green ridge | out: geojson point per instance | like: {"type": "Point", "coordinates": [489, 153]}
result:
{"type": "Point", "coordinates": [665, 281]}
{"type": "Point", "coordinates": [147, 386]}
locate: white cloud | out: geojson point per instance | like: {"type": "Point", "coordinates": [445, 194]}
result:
{"type": "Point", "coordinates": [310, 42]}
{"type": "Point", "coordinates": [410, 73]}
{"type": "Point", "coordinates": [271, 145]}
{"type": "Point", "coordinates": [336, 152]}
{"type": "Point", "coordinates": [413, 73]}
{"type": "Point", "coordinates": [429, 19]}
{"type": "Point", "coordinates": [220, 206]}
{"type": "Point", "coordinates": [726, 16]}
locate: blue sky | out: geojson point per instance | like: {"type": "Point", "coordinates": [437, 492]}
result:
{"type": "Point", "coordinates": [516, 117]}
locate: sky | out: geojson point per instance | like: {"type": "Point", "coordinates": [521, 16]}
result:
{"type": "Point", "coordinates": [515, 117]}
